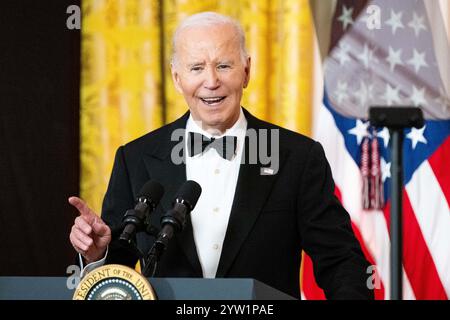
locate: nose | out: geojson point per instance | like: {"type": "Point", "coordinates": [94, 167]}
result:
{"type": "Point", "coordinates": [212, 81]}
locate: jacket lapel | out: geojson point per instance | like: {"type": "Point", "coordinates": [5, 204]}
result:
{"type": "Point", "coordinates": [171, 175]}
{"type": "Point", "coordinates": [252, 190]}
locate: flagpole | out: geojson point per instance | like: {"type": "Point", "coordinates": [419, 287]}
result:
{"type": "Point", "coordinates": [396, 119]}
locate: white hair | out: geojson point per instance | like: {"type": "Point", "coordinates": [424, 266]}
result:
{"type": "Point", "coordinates": [203, 19]}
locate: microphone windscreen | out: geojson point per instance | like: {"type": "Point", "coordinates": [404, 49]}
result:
{"type": "Point", "coordinates": [190, 192]}
{"type": "Point", "coordinates": [152, 190]}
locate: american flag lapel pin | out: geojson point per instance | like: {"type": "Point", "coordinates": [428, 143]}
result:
{"type": "Point", "coordinates": [267, 171]}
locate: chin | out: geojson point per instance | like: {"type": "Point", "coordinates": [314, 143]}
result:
{"type": "Point", "coordinates": [214, 115]}
{"type": "Point", "coordinates": [214, 122]}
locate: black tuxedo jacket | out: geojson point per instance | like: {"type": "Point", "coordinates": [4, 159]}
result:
{"type": "Point", "coordinates": [273, 217]}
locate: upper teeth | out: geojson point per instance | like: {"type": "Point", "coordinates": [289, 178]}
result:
{"type": "Point", "coordinates": [216, 99]}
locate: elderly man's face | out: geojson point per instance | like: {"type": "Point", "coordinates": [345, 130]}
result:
{"type": "Point", "coordinates": [211, 75]}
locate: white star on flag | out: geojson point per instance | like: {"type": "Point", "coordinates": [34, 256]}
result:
{"type": "Point", "coordinates": [364, 93]}
{"type": "Point", "coordinates": [342, 53]}
{"type": "Point", "coordinates": [418, 60]}
{"type": "Point", "coordinates": [346, 17]}
{"type": "Point", "coordinates": [417, 24]}
{"type": "Point", "coordinates": [341, 91]}
{"type": "Point", "coordinates": [384, 134]}
{"type": "Point", "coordinates": [391, 95]}
{"type": "Point", "coordinates": [367, 56]}
{"type": "Point", "coordinates": [395, 21]}
{"type": "Point", "coordinates": [360, 130]}
{"type": "Point", "coordinates": [385, 169]}
{"type": "Point", "coordinates": [394, 58]}
{"type": "Point", "coordinates": [418, 97]}
{"type": "Point", "coordinates": [416, 136]}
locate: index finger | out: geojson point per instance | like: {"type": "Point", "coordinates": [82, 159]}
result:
{"type": "Point", "coordinates": [82, 207]}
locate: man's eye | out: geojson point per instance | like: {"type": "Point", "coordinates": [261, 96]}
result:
{"type": "Point", "coordinates": [223, 66]}
{"type": "Point", "coordinates": [196, 68]}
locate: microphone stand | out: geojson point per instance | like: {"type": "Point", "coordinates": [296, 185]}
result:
{"type": "Point", "coordinates": [163, 235]}
{"type": "Point", "coordinates": [173, 221]}
{"type": "Point", "coordinates": [152, 258]}
{"type": "Point", "coordinates": [129, 245]}
{"type": "Point", "coordinates": [396, 119]}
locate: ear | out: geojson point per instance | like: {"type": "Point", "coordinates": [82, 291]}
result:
{"type": "Point", "coordinates": [176, 77]}
{"type": "Point", "coordinates": [247, 71]}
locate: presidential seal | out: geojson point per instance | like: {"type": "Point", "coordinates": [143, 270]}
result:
{"type": "Point", "coordinates": [114, 282]}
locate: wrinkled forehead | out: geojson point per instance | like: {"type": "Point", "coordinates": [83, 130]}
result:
{"type": "Point", "coordinates": [215, 41]}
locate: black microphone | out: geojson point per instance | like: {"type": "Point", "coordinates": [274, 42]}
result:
{"type": "Point", "coordinates": [175, 219]}
{"type": "Point", "coordinates": [171, 222]}
{"type": "Point", "coordinates": [134, 219]}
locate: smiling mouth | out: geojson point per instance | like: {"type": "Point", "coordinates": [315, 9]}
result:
{"type": "Point", "coordinates": [212, 100]}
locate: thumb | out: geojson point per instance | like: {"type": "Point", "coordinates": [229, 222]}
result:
{"type": "Point", "coordinates": [100, 228]}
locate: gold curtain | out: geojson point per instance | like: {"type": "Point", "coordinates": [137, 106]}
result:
{"type": "Point", "coordinates": [126, 84]}
{"type": "Point", "coordinates": [120, 84]}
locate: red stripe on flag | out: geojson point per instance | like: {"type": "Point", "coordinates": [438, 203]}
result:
{"type": "Point", "coordinates": [417, 260]}
{"type": "Point", "coordinates": [439, 164]}
{"type": "Point", "coordinates": [338, 193]}
{"type": "Point", "coordinates": [310, 288]}
{"type": "Point", "coordinates": [387, 215]}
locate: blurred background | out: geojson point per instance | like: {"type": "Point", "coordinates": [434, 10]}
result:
{"type": "Point", "coordinates": [69, 97]}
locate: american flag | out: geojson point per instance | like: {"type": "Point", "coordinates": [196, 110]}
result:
{"type": "Point", "coordinates": [394, 63]}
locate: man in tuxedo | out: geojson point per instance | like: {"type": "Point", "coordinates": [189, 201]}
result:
{"type": "Point", "coordinates": [252, 219]}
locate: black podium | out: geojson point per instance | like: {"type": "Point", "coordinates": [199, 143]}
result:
{"type": "Point", "coordinates": [55, 288]}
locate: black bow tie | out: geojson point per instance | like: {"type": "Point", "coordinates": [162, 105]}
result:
{"type": "Point", "coordinates": [225, 146]}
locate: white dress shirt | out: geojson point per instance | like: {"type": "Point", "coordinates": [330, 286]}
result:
{"type": "Point", "coordinates": [218, 178]}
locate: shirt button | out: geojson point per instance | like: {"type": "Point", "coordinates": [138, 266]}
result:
{"type": "Point", "coordinates": [216, 246]}
{"type": "Point", "coordinates": [216, 210]}
{"type": "Point", "coordinates": [217, 171]}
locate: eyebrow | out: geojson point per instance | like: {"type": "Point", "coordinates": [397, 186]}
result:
{"type": "Point", "coordinates": [193, 64]}
{"type": "Point", "coordinates": [230, 62]}
{"type": "Point", "coordinates": [190, 65]}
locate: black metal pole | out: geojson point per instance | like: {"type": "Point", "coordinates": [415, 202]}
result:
{"type": "Point", "coordinates": [396, 119]}
{"type": "Point", "coordinates": [396, 213]}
